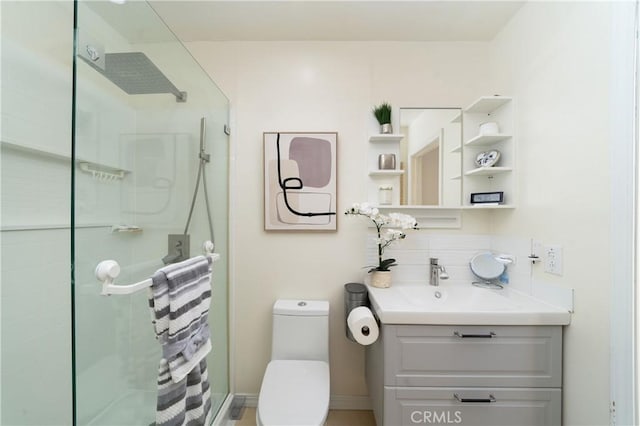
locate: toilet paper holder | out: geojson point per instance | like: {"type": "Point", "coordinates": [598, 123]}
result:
{"type": "Point", "coordinates": [355, 295]}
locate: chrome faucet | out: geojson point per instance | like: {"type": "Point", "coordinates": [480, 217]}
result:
{"type": "Point", "coordinates": [436, 272]}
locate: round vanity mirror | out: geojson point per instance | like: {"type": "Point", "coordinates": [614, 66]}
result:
{"type": "Point", "coordinates": [486, 267]}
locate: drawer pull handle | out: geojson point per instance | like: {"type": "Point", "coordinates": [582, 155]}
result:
{"type": "Point", "coordinates": [483, 400]}
{"type": "Point", "coordinates": [474, 336]}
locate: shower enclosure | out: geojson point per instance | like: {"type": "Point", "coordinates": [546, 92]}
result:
{"type": "Point", "coordinates": [101, 155]}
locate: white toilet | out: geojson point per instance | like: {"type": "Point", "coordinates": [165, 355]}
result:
{"type": "Point", "coordinates": [295, 387]}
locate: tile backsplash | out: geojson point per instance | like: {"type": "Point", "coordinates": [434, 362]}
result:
{"type": "Point", "coordinates": [454, 251]}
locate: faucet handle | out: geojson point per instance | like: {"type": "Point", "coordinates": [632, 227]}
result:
{"type": "Point", "coordinates": [443, 273]}
{"type": "Point", "coordinates": [438, 269]}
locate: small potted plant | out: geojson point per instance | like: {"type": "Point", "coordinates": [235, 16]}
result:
{"type": "Point", "coordinates": [383, 115]}
{"type": "Point", "coordinates": [396, 223]}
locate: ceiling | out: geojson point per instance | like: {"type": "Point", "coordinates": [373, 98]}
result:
{"type": "Point", "coordinates": [345, 20]}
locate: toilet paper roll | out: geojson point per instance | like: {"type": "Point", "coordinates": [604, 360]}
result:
{"type": "Point", "coordinates": [363, 325]}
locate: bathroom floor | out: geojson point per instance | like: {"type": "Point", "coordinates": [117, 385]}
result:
{"type": "Point", "coordinates": [335, 418]}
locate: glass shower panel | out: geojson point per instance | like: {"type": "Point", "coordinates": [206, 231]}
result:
{"type": "Point", "coordinates": [35, 176]}
{"type": "Point", "coordinates": [137, 136]}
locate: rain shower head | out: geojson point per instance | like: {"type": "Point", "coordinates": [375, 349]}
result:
{"type": "Point", "coordinates": [136, 74]}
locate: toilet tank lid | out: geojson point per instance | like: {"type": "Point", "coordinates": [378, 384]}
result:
{"type": "Point", "coordinates": [301, 307]}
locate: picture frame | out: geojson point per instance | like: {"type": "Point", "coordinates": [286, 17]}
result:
{"type": "Point", "coordinates": [300, 181]}
{"type": "Point", "coordinates": [496, 197]}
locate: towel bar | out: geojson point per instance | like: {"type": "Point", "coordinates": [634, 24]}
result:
{"type": "Point", "coordinates": [108, 270]}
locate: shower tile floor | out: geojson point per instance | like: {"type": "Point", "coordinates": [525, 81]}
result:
{"type": "Point", "coordinates": [132, 409]}
{"type": "Point", "coordinates": [136, 408]}
{"type": "Point", "coordinates": [335, 418]}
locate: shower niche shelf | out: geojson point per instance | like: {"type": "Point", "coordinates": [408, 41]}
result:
{"type": "Point", "coordinates": [102, 172]}
{"type": "Point", "coordinates": [54, 155]}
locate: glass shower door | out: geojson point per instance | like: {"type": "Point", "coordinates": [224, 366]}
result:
{"type": "Point", "coordinates": [139, 104]}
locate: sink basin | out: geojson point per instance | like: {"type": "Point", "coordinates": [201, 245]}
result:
{"type": "Point", "coordinates": [455, 298]}
{"type": "Point", "coordinates": [461, 304]}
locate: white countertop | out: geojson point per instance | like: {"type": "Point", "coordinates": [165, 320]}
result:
{"type": "Point", "coordinates": [461, 304]}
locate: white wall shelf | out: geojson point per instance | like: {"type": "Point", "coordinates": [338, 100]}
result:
{"type": "Point", "coordinates": [384, 144]}
{"type": "Point", "coordinates": [489, 206]}
{"type": "Point", "coordinates": [500, 178]}
{"type": "Point", "coordinates": [428, 216]}
{"type": "Point", "coordinates": [485, 140]}
{"type": "Point", "coordinates": [487, 104]}
{"type": "Point", "coordinates": [487, 171]}
{"type": "Point", "coordinates": [386, 173]}
{"type": "Point", "coordinates": [390, 137]}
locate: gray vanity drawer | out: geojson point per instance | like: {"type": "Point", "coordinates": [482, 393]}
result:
{"type": "Point", "coordinates": [508, 406]}
{"type": "Point", "coordinates": [514, 356]}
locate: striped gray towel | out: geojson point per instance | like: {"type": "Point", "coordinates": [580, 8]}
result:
{"type": "Point", "coordinates": [180, 297]}
{"type": "Point", "coordinates": [187, 403]}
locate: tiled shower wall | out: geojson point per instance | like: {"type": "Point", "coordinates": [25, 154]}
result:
{"type": "Point", "coordinates": [36, 262]}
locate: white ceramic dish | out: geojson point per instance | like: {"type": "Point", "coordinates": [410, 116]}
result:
{"type": "Point", "coordinates": [488, 158]}
{"type": "Point", "coordinates": [489, 128]}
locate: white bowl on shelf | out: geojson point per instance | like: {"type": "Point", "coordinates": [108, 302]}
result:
{"type": "Point", "coordinates": [489, 128]}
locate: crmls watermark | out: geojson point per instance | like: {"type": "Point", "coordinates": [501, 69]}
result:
{"type": "Point", "coordinates": [436, 417]}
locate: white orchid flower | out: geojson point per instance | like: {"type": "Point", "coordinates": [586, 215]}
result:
{"type": "Point", "coordinates": [388, 235]}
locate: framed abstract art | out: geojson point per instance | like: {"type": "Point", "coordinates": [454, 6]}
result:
{"type": "Point", "coordinates": [300, 181]}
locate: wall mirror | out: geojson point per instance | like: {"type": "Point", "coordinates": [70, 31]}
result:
{"type": "Point", "coordinates": [430, 155]}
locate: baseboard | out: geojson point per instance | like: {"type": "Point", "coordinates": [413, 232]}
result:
{"type": "Point", "coordinates": [350, 402]}
{"type": "Point", "coordinates": [336, 402]}
{"type": "Point", "coordinates": [251, 399]}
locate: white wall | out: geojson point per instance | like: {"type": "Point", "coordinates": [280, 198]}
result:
{"type": "Point", "coordinates": [554, 59]}
{"type": "Point", "coordinates": [307, 86]}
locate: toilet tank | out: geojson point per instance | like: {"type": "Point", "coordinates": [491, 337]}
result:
{"type": "Point", "coordinates": [300, 330]}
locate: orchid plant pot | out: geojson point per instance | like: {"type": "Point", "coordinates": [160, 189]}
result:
{"type": "Point", "coordinates": [381, 279]}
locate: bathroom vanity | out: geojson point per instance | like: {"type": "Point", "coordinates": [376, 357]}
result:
{"type": "Point", "coordinates": [466, 360]}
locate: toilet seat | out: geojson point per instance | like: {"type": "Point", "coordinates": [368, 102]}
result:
{"type": "Point", "coordinates": [294, 393]}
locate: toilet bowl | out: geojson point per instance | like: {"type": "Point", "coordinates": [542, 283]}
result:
{"type": "Point", "coordinates": [295, 386]}
{"type": "Point", "coordinates": [294, 393]}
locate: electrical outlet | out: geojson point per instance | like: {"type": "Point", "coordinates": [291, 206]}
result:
{"type": "Point", "coordinates": [553, 259]}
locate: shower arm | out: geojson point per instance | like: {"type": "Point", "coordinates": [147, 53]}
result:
{"type": "Point", "coordinates": [204, 158]}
